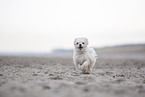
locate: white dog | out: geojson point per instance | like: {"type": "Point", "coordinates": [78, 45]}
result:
{"type": "Point", "coordinates": [84, 57]}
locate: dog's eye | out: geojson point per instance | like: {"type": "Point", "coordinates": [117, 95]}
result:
{"type": "Point", "coordinates": [83, 43]}
{"type": "Point", "coordinates": [77, 43]}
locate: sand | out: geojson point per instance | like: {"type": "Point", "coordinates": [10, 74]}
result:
{"type": "Point", "coordinates": [56, 77]}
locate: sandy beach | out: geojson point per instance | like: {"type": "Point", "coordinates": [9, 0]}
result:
{"type": "Point", "coordinates": [56, 77]}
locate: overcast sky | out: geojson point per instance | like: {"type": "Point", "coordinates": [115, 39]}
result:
{"type": "Point", "coordinates": [43, 25]}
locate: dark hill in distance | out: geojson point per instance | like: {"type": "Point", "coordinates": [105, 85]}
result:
{"type": "Point", "coordinates": [102, 51]}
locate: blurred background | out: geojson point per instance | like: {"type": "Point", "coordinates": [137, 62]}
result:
{"type": "Point", "coordinates": [47, 26]}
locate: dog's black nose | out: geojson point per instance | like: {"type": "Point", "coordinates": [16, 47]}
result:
{"type": "Point", "coordinates": [80, 45]}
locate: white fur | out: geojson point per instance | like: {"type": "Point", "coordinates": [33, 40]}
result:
{"type": "Point", "coordinates": [84, 57]}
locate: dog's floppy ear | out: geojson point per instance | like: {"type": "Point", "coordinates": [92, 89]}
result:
{"type": "Point", "coordinates": [74, 41]}
{"type": "Point", "coordinates": [87, 42]}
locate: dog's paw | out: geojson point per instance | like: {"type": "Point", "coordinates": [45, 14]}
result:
{"type": "Point", "coordinates": [84, 67]}
{"type": "Point", "coordinates": [86, 72]}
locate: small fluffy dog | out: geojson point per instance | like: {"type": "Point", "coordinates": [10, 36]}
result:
{"type": "Point", "coordinates": [84, 57]}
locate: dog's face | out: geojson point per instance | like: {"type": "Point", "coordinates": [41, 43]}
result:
{"type": "Point", "coordinates": [81, 43]}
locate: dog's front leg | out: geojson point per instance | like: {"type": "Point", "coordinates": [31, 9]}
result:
{"type": "Point", "coordinates": [77, 65]}
{"type": "Point", "coordinates": [84, 67]}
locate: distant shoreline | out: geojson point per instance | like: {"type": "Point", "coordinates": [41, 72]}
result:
{"type": "Point", "coordinates": [57, 52]}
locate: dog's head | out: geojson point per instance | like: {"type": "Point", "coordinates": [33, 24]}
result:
{"type": "Point", "coordinates": [81, 43]}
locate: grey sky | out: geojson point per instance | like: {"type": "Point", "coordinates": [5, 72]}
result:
{"type": "Point", "coordinates": [42, 25]}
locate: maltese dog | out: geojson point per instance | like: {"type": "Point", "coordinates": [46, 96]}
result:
{"type": "Point", "coordinates": [84, 57]}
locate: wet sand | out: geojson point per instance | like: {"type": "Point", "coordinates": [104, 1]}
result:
{"type": "Point", "coordinates": [56, 77]}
